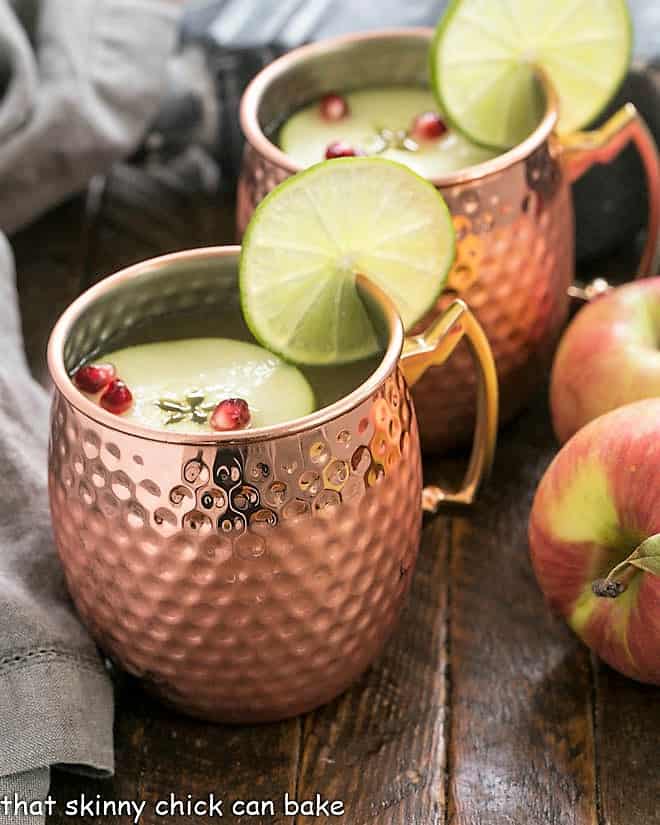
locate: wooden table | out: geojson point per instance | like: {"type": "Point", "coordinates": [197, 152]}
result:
{"type": "Point", "coordinates": [483, 710]}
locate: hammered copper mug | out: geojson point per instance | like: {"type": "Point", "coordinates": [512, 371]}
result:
{"type": "Point", "coordinates": [513, 214]}
{"type": "Point", "coordinates": [244, 576]}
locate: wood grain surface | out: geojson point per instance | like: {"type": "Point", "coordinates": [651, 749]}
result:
{"type": "Point", "coordinates": [521, 746]}
{"type": "Point", "coordinates": [483, 708]}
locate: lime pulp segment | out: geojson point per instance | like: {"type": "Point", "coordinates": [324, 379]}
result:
{"type": "Point", "coordinates": [485, 54]}
{"type": "Point", "coordinates": [314, 233]}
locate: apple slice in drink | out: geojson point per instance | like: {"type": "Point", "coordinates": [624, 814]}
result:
{"type": "Point", "coordinates": [381, 121]}
{"type": "Point", "coordinates": [176, 385]}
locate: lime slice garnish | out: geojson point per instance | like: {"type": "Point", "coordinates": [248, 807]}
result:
{"type": "Point", "coordinates": [311, 236]}
{"type": "Point", "coordinates": [484, 58]}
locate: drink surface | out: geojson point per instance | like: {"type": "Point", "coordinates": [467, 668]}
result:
{"type": "Point", "coordinates": [178, 362]}
{"type": "Point", "coordinates": [388, 111]}
{"type": "Point", "coordinates": [177, 384]}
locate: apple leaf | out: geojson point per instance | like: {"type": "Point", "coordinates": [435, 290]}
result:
{"type": "Point", "coordinates": [647, 556]}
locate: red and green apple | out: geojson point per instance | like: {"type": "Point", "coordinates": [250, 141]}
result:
{"type": "Point", "coordinates": [609, 356]}
{"type": "Point", "coordinates": [594, 536]}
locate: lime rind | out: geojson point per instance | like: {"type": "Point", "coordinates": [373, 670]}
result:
{"type": "Point", "coordinates": [585, 62]}
{"type": "Point", "coordinates": [311, 235]}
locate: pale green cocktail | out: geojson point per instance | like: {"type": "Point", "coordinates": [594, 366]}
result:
{"type": "Point", "coordinates": [177, 384]}
{"type": "Point", "coordinates": [380, 121]}
{"type": "Point", "coordinates": [177, 371]}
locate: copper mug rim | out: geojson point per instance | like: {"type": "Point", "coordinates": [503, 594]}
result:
{"type": "Point", "coordinates": [259, 85]}
{"type": "Point", "coordinates": [64, 384]}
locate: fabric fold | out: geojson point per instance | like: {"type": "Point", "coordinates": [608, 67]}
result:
{"type": "Point", "coordinates": [56, 700]}
{"type": "Point", "coordinates": [56, 708]}
{"type": "Point", "coordinates": [101, 74]}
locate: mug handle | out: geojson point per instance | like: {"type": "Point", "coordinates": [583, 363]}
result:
{"type": "Point", "coordinates": [582, 150]}
{"type": "Point", "coordinates": [432, 348]}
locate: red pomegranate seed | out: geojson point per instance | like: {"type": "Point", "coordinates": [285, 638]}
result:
{"type": "Point", "coordinates": [340, 149]}
{"type": "Point", "coordinates": [333, 106]}
{"type": "Point", "coordinates": [117, 398]}
{"type": "Point", "coordinates": [93, 377]}
{"type": "Point", "coordinates": [428, 126]}
{"type": "Point", "coordinates": [230, 414]}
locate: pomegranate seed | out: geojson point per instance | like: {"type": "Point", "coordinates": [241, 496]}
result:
{"type": "Point", "coordinates": [117, 398]}
{"type": "Point", "coordinates": [428, 126]}
{"type": "Point", "coordinates": [340, 149]}
{"type": "Point", "coordinates": [333, 106]}
{"type": "Point", "coordinates": [230, 414]}
{"type": "Point", "coordinates": [94, 377]}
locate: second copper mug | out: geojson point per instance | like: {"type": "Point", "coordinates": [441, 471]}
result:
{"type": "Point", "coordinates": [513, 214]}
{"type": "Point", "coordinates": [254, 575]}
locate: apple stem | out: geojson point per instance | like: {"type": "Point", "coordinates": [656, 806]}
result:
{"type": "Point", "coordinates": [617, 580]}
{"type": "Point", "coordinates": [645, 558]}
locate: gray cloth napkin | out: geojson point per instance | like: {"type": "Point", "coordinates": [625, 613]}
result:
{"type": "Point", "coordinates": [82, 81]}
{"type": "Point", "coordinates": [55, 699]}
{"type": "Point", "coordinates": [79, 83]}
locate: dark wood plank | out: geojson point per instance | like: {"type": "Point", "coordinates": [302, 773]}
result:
{"type": "Point", "coordinates": [137, 214]}
{"type": "Point", "coordinates": [124, 218]}
{"type": "Point", "coordinates": [521, 745]}
{"type": "Point", "coordinates": [48, 267]}
{"type": "Point", "coordinates": [628, 747]}
{"type": "Point", "coordinates": [159, 752]}
{"type": "Point", "coordinates": [381, 747]}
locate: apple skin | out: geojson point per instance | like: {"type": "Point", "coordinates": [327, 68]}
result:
{"type": "Point", "coordinates": [609, 356]}
{"type": "Point", "coordinates": [598, 500]}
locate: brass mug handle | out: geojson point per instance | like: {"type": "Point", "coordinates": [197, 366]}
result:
{"type": "Point", "coordinates": [432, 348]}
{"type": "Point", "coordinates": [581, 150]}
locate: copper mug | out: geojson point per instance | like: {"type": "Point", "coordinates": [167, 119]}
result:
{"type": "Point", "coordinates": [513, 214]}
{"type": "Point", "coordinates": [245, 576]}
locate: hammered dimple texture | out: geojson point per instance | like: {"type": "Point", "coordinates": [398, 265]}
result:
{"type": "Point", "coordinates": [257, 178]}
{"type": "Point", "coordinates": [247, 582]}
{"type": "Point", "coordinates": [513, 266]}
